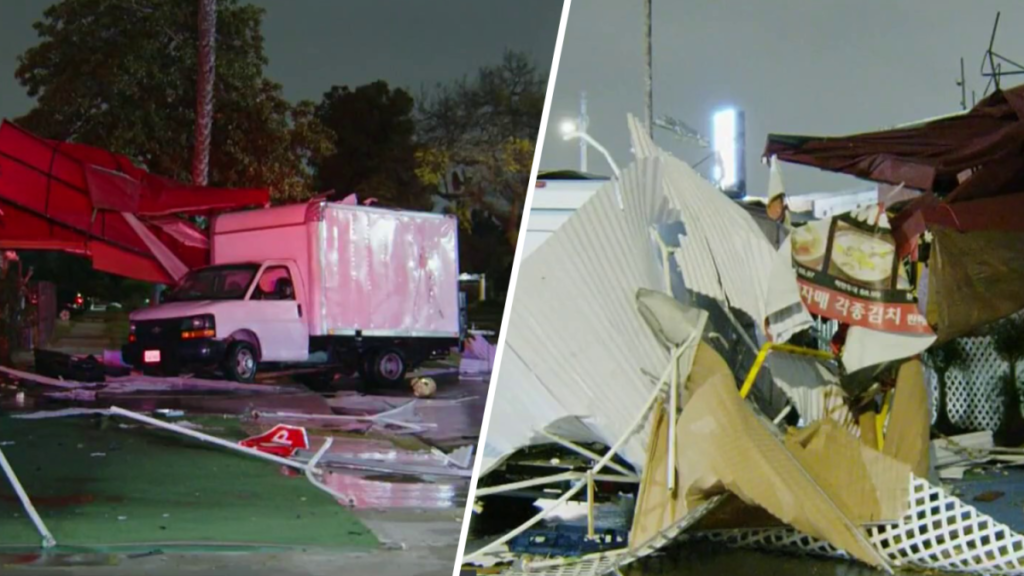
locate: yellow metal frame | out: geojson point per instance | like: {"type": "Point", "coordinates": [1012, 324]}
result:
{"type": "Point", "coordinates": [770, 347]}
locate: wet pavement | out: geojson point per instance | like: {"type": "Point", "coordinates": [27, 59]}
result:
{"type": "Point", "coordinates": [416, 518]}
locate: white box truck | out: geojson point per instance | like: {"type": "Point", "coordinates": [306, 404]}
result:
{"type": "Point", "coordinates": [374, 290]}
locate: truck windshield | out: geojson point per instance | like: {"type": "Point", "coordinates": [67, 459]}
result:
{"type": "Point", "coordinates": [215, 283]}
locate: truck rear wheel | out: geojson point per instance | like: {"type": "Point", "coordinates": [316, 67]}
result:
{"type": "Point", "coordinates": [240, 364]}
{"type": "Point", "coordinates": [388, 367]}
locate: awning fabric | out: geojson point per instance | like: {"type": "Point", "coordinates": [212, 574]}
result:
{"type": "Point", "coordinates": [84, 200]}
{"type": "Point", "coordinates": [971, 170]}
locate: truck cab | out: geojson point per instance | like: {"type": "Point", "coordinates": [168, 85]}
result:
{"type": "Point", "coordinates": [231, 317]}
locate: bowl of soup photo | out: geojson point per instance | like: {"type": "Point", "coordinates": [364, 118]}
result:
{"type": "Point", "coordinates": [863, 258]}
{"type": "Point", "coordinates": [808, 246]}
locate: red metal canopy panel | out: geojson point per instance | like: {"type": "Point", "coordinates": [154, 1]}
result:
{"type": "Point", "coordinates": [989, 140]}
{"type": "Point", "coordinates": [71, 197]}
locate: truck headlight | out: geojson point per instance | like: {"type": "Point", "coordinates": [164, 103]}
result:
{"type": "Point", "coordinates": [198, 327]}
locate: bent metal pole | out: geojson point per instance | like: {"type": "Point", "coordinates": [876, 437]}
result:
{"type": "Point", "coordinates": [48, 539]}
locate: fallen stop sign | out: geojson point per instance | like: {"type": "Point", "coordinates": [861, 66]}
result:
{"type": "Point", "coordinates": [281, 440]}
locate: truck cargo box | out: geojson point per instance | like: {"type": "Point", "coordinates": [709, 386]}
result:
{"type": "Point", "coordinates": [363, 271]}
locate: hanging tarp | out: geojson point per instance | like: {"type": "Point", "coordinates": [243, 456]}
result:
{"type": "Point", "coordinates": [848, 271]}
{"type": "Point", "coordinates": [968, 156]}
{"type": "Point", "coordinates": [975, 278]}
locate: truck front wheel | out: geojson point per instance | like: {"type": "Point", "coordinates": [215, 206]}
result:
{"type": "Point", "coordinates": [388, 367]}
{"type": "Point", "coordinates": [240, 364]}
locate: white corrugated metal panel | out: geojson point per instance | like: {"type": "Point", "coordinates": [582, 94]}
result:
{"type": "Point", "coordinates": [525, 408]}
{"type": "Point", "coordinates": [812, 388]}
{"type": "Point", "coordinates": [574, 323]}
{"type": "Point", "coordinates": [724, 253]}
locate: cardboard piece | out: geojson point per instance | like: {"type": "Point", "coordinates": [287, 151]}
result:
{"type": "Point", "coordinates": [868, 430]}
{"type": "Point", "coordinates": [867, 486]}
{"type": "Point", "coordinates": [908, 432]}
{"type": "Point", "coordinates": [725, 446]}
{"type": "Point", "coordinates": [655, 507]}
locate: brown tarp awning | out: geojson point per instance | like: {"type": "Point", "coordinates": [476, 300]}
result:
{"type": "Point", "coordinates": [989, 140]}
{"type": "Point", "coordinates": [971, 168]}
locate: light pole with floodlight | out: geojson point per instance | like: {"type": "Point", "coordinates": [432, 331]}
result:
{"type": "Point", "coordinates": [571, 130]}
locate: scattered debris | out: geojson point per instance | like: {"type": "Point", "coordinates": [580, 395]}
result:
{"type": "Point", "coordinates": [423, 387]}
{"type": "Point", "coordinates": [63, 413]}
{"type": "Point", "coordinates": [477, 356]}
{"type": "Point", "coordinates": [989, 496]}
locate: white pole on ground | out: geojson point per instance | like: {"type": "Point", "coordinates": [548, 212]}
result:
{"type": "Point", "coordinates": [584, 452]}
{"type": "Point", "coordinates": [311, 467]}
{"type": "Point", "coordinates": [636, 425]}
{"type": "Point", "coordinates": [48, 539]}
{"type": "Point", "coordinates": [207, 438]}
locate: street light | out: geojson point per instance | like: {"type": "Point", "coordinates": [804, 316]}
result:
{"type": "Point", "coordinates": [571, 131]}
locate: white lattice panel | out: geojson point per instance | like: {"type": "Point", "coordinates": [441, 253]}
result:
{"type": "Point", "coordinates": [939, 532]}
{"type": "Point", "coordinates": [975, 399]}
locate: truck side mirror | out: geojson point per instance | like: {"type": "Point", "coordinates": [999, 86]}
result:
{"type": "Point", "coordinates": [162, 297]}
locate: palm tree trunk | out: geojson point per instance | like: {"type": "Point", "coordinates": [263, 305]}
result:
{"type": "Point", "coordinates": [204, 91]}
{"type": "Point", "coordinates": [648, 69]}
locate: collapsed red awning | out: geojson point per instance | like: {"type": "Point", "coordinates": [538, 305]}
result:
{"type": "Point", "coordinates": [76, 198]}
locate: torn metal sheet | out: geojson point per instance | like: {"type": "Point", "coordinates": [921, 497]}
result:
{"type": "Point", "coordinates": [813, 389]}
{"type": "Point", "coordinates": [787, 314]}
{"type": "Point", "coordinates": [424, 464]}
{"type": "Point", "coordinates": [723, 253]}
{"type": "Point", "coordinates": [563, 360]}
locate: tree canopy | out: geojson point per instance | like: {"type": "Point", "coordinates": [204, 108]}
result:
{"type": "Point", "coordinates": [121, 75]}
{"type": "Point", "coordinates": [478, 137]}
{"type": "Point", "coordinates": [374, 145]}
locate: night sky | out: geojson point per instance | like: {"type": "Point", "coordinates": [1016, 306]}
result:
{"type": "Point", "coordinates": [797, 66]}
{"type": "Point", "coordinates": [314, 44]}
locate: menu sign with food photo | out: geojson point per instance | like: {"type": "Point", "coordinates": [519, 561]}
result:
{"type": "Point", "coordinates": [848, 271]}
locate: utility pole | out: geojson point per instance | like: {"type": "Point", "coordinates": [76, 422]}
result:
{"type": "Point", "coordinates": [649, 65]}
{"type": "Point", "coordinates": [204, 90]}
{"type": "Point", "coordinates": [583, 124]}
{"type": "Point", "coordinates": [963, 86]}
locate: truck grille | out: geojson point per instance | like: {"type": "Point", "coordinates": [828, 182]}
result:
{"type": "Point", "coordinates": [158, 331]}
